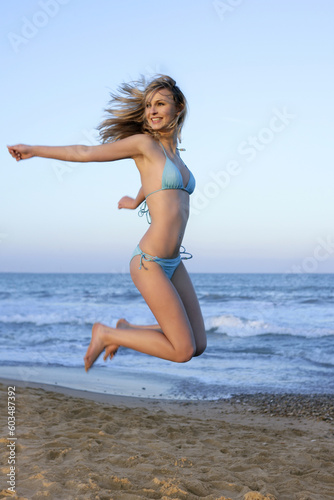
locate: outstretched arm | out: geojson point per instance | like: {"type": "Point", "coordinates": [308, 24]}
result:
{"type": "Point", "coordinates": [132, 203]}
{"type": "Point", "coordinates": [66, 153]}
{"type": "Point", "coordinates": [124, 148]}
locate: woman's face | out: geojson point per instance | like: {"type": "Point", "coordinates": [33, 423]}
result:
{"type": "Point", "coordinates": [160, 109]}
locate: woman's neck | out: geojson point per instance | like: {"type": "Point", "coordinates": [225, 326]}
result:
{"type": "Point", "coordinates": [169, 142]}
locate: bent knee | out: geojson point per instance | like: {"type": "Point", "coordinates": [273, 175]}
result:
{"type": "Point", "coordinates": [185, 355]}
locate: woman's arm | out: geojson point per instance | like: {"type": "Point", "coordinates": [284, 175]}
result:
{"type": "Point", "coordinates": [65, 153]}
{"type": "Point", "coordinates": [132, 203]}
{"type": "Point", "coordinates": [124, 148]}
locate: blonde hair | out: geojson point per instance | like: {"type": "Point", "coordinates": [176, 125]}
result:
{"type": "Point", "coordinates": [127, 109]}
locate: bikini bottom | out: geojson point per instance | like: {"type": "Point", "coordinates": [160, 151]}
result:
{"type": "Point", "coordinates": [168, 265]}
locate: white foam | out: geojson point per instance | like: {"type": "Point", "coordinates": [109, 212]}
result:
{"type": "Point", "coordinates": [236, 326]}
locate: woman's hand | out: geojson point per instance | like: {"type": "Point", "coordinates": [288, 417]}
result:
{"type": "Point", "coordinates": [20, 151]}
{"type": "Point", "coordinates": [127, 202]}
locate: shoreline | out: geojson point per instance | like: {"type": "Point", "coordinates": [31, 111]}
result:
{"type": "Point", "coordinates": [73, 444]}
{"type": "Point", "coordinates": [98, 380]}
{"type": "Point", "coordinates": [316, 406]}
{"type": "Point", "coordinates": [119, 381]}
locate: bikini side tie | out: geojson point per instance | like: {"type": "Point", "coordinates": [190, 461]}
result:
{"type": "Point", "coordinates": [183, 254]}
{"type": "Point", "coordinates": [143, 210]}
{"type": "Point", "coordinates": [147, 258]}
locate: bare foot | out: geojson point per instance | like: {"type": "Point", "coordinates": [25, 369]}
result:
{"type": "Point", "coordinates": [122, 323]}
{"type": "Point", "coordinates": [95, 347]}
{"type": "Point", "coordinates": [111, 350]}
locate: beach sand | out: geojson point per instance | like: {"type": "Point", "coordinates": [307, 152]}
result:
{"type": "Point", "coordinates": [81, 445]}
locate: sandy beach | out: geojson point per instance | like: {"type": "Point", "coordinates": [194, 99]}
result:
{"type": "Point", "coordinates": [82, 445]}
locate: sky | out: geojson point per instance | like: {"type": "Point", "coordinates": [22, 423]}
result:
{"type": "Point", "coordinates": [258, 77]}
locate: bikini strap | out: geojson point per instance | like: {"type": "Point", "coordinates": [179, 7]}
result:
{"type": "Point", "coordinates": [167, 157]}
{"type": "Point", "coordinates": [163, 149]}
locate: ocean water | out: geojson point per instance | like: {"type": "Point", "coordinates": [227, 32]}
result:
{"type": "Point", "coordinates": [266, 332]}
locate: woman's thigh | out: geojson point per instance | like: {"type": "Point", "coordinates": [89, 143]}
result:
{"type": "Point", "coordinates": [182, 283]}
{"type": "Point", "coordinates": [165, 303]}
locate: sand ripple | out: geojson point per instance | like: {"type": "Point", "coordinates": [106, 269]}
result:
{"type": "Point", "coordinates": [72, 448]}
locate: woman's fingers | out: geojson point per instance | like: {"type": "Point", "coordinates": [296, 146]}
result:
{"type": "Point", "coordinates": [20, 151]}
{"type": "Point", "coordinates": [15, 153]}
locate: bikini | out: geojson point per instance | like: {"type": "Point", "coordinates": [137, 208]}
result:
{"type": "Point", "coordinates": [171, 179]}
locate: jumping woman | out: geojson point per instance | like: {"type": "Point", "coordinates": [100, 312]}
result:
{"type": "Point", "coordinates": [145, 124]}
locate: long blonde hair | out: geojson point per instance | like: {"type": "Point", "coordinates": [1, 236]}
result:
{"type": "Point", "coordinates": [127, 109]}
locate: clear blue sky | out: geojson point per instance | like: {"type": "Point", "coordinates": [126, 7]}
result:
{"type": "Point", "coordinates": [258, 75]}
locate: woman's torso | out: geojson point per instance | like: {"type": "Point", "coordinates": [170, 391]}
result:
{"type": "Point", "coordinates": [167, 184]}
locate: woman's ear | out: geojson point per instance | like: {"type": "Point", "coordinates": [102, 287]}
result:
{"type": "Point", "coordinates": [179, 110]}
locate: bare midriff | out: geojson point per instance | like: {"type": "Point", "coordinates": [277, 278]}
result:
{"type": "Point", "coordinates": [169, 210]}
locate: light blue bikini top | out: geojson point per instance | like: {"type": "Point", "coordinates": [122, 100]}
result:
{"type": "Point", "coordinates": [171, 179]}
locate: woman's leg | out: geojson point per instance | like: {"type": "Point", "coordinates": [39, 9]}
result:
{"type": "Point", "coordinates": [186, 291]}
{"type": "Point", "coordinates": [123, 323]}
{"type": "Point", "coordinates": [175, 341]}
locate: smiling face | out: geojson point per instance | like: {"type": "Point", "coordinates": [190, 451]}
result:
{"type": "Point", "coordinates": [160, 109]}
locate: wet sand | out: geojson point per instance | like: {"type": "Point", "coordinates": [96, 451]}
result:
{"type": "Point", "coordinates": [83, 445]}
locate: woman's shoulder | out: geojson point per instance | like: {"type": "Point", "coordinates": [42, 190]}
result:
{"type": "Point", "coordinates": [145, 143]}
{"type": "Point", "coordinates": [145, 139]}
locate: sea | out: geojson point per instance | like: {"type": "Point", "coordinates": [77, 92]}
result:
{"type": "Point", "coordinates": [268, 333]}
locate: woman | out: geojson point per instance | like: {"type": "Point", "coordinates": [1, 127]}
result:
{"type": "Point", "coordinates": [145, 125]}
